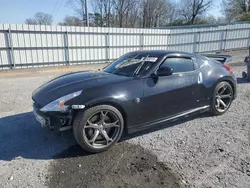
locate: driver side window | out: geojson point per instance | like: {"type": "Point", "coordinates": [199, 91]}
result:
{"type": "Point", "coordinates": [179, 64]}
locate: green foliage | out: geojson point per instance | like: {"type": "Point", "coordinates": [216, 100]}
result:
{"type": "Point", "coordinates": [244, 17]}
{"type": "Point", "coordinates": [236, 10]}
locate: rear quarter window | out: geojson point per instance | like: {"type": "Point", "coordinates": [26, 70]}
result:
{"type": "Point", "coordinates": [179, 64]}
{"type": "Point", "coordinates": [198, 62]}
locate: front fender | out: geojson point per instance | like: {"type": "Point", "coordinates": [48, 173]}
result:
{"type": "Point", "coordinates": [118, 103]}
{"type": "Point", "coordinates": [122, 96]}
{"type": "Point", "coordinates": [105, 100]}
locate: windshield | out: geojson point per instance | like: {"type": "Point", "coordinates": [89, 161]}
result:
{"type": "Point", "coordinates": [131, 65]}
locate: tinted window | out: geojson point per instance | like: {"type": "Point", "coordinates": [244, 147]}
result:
{"type": "Point", "coordinates": [179, 64]}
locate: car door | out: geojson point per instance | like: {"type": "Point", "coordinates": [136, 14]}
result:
{"type": "Point", "coordinates": [166, 96]}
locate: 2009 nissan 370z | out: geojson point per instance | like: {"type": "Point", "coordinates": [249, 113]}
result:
{"type": "Point", "coordinates": [138, 90]}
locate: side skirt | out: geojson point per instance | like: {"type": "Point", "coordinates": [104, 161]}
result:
{"type": "Point", "coordinates": [168, 119]}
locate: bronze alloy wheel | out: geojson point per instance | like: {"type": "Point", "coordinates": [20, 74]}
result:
{"type": "Point", "coordinates": [101, 129]}
{"type": "Point", "coordinates": [98, 128]}
{"type": "Point", "coordinates": [223, 96]}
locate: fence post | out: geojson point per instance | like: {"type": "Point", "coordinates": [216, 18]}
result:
{"type": "Point", "coordinates": [66, 46]}
{"type": "Point", "coordinates": [168, 39]}
{"type": "Point", "coordinates": [107, 41]}
{"type": "Point", "coordinates": [225, 39]}
{"type": "Point", "coordinates": [248, 43]}
{"type": "Point", "coordinates": [11, 49]}
{"type": "Point", "coordinates": [141, 41]}
{"type": "Point", "coordinates": [196, 42]}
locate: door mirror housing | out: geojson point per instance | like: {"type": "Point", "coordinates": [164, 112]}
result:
{"type": "Point", "coordinates": [164, 71]}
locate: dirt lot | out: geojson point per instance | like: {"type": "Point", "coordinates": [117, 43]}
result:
{"type": "Point", "coordinates": [202, 151]}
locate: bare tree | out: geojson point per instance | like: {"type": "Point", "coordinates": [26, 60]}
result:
{"type": "Point", "coordinates": [43, 19]}
{"type": "Point", "coordinates": [116, 13]}
{"type": "Point", "coordinates": [30, 21]}
{"type": "Point", "coordinates": [71, 21]}
{"type": "Point", "coordinates": [155, 12]}
{"type": "Point", "coordinates": [80, 7]}
{"type": "Point", "coordinates": [173, 15]}
{"type": "Point", "coordinates": [236, 9]}
{"type": "Point", "coordinates": [122, 7]}
{"type": "Point", "coordinates": [190, 9]}
{"type": "Point", "coordinates": [104, 8]}
{"type": "Point", "coordinates": [141, 13]}
{"type": "Point", "coordinates": [133, 15]}
{"type": "Point", "coordinates": [206, 19]}
{"type": "Point", "coordinates": [40, 19]}
{"type": "Point", "coordinates": [97, 6]}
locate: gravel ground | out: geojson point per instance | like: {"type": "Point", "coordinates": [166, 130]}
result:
{"type": "Point", "coordinates": [202, 151]}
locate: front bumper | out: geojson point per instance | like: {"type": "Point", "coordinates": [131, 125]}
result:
{"type": "Point", "coordinates": [55, 120]}
{"type": "Point", "coordinates": [41, 118]}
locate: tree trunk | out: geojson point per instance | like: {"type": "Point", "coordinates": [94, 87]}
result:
{"type": "Point", "coordinates": [192, 20]}
{"type": "Point", "coordinates": [108, 13]}
{"type": "Point", "coordinates": [121, 20]}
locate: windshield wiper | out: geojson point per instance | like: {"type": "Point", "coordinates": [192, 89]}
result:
{"type": "Point", "coordinates": [140, 66]}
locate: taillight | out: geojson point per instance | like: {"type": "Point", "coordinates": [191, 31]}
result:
{"type": "Point", "coordinates": [229, 69]}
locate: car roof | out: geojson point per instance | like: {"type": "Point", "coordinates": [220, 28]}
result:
{"type": "Point", "coordinates": [161, 52]}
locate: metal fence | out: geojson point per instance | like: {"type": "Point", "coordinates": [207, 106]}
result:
{"type": "Point", "coordinates": [23, 46]}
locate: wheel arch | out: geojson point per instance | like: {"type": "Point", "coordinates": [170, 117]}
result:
{"type": "Point", "coordinates": [229, 80]}
{"type": "Point", "coordinates": [232, 85]}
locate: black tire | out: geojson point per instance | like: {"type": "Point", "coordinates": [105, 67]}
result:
{"type": "Point", "coordinates": [80, 124]}
{"type": "Point", "coordinates": [215, 111]}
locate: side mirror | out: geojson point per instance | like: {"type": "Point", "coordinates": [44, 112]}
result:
{"type": "Point", "coordinates": [164, 71]}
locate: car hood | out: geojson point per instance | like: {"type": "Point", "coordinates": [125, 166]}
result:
{"type": "Point", "coordinates": [73, 82]}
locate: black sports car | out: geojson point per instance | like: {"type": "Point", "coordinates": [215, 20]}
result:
{"type": "Point", "coordinates": [138, 90]}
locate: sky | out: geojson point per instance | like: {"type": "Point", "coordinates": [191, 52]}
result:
{"type": "Point", "coordinates": [216, 9]}
{"type": "Point", "coordinates": [16, 11]}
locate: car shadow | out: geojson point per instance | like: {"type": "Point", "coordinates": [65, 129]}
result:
{"type": "Point", "coordinates": [22, 136]}
{"type": "Point", "coordinates": [242, 81]}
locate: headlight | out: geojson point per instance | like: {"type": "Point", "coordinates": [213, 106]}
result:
{"type": "Point", "coordinates": [58, 104]}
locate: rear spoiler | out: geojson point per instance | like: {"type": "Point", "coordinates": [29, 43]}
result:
{"type": "Point", "coordinates": [221, 58]}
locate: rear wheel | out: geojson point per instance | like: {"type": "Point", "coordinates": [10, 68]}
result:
{"type": "Point", "coordinates": [98, 128]}
{"type": "Point", "coordinates": [222, 98]}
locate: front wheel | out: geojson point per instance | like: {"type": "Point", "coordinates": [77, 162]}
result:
{"type": "Point", "coordinates": [98, 128]}
{"type": "Point", "coordinates": [222, 98]}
